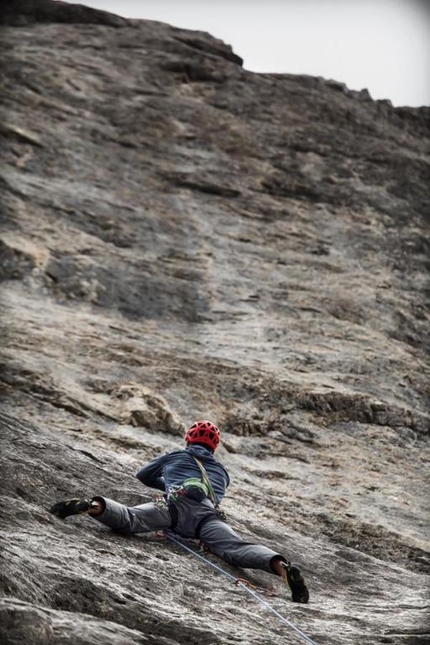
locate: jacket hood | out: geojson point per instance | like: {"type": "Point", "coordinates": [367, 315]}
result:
{"type": "Point", "coordinates": [200, 452]}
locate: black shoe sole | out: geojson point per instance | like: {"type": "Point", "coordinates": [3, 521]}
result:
{"type": "Point", "coordinates": [70, 507]}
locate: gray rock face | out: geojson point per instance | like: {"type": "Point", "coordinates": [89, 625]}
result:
{"type": "Point", "coordinates": [183, 239]}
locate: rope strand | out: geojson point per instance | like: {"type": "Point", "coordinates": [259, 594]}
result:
{"type": "Point", "coordinates": [239, 583]}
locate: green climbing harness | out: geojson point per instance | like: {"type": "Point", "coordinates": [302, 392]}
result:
{"type": "Point", "coordinates": [206, 482]}
{"type": "Point", "coordinates": [196, 489]}
{"type": "Point", "coordinates": [222, 516]}
{"type": "Point", "coordinates": [192, 487]}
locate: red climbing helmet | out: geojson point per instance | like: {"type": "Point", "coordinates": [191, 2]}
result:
{"type": "Point", "coordinates": [204, 432]}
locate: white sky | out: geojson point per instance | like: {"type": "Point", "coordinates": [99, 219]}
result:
{"type": "Point", "coordinates": [381, 45]}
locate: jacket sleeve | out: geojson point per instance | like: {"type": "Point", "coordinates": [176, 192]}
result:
{"type": "Point", "coordinates": [226, 477]}
{"type": "Point", "coordinates": [151, 474]}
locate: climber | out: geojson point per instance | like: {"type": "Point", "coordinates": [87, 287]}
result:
{"type": "Point", "coordinates": [193, 485]}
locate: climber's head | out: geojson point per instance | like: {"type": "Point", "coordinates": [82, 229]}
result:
{"type": "Point", "coordinates": [204, 433]}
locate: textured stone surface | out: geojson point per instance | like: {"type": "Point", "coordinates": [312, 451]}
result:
{"type": "Point", "coordinates": [181, 238]}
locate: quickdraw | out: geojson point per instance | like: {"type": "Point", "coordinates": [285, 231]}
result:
{"type": "Point", "coordinates": [261, 590]}
{"type": "Point", "coordinates": [160, 502]}
{"type": "Point", "coordinates": [175, 492]}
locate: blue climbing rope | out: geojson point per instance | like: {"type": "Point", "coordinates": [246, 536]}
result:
{"type": "Point", "coordinates": [239, 583]}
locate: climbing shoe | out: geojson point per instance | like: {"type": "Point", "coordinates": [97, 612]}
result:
{"type": "Point", "coordinates": [299, 590]}
{"type": "Point", "coordinates": [70, 507]}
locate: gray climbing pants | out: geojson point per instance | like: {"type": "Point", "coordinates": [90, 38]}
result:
{"type": "Point", "coordinates": [190, 519]}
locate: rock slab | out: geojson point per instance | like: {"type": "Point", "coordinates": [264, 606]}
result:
{"type": "Point", "coordinates": [179, 239]}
